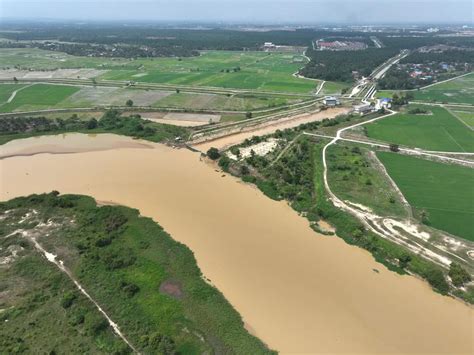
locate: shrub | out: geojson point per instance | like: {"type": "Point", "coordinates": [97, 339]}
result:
{"type": "Point", "coordinates": [68, 299]}
{"type": "Point", "coordinates": [458, 275]}
{"type": "Point", "coordinates": [213, 153]}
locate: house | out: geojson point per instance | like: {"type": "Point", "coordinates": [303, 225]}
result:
{"type": "Point", "coordinates": [363, 109]}
{"type": "Point", "coordinates": [331, 101]}
{"type": "Point", "coordinates": [384, 102]}
{"type": "Point", "coordinates": [267, 46]}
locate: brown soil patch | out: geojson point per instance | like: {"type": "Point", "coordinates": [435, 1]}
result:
{"type": "Point", "coordinates": [172, 289]}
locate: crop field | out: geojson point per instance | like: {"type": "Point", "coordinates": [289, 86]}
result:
{"type": "Point", "coordinates": [49, 96]}
{"type": "Point", "coordinates": [219, 102]}
{"type": "Point", "coordinates": [459, 90]}
{"type": "Point", "coordinates": [444, 191]}
{"type": "Point", "coordinates": [439, 130]}
{"type": "Point", "coordinates": [7, 90]}
{"type": "Point", "coordinates": [239, 70]}
{"type": "Point", "coordinates": [465, 115]}
{"type": "Point", "coordinates": [333, 88]}
{"type": "Point", "coordinates": [39, 96]}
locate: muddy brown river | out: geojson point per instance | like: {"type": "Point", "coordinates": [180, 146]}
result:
{"type": "Point", "coordinates": [299, 291]}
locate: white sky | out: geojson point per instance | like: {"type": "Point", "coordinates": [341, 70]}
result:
{"type": "Point", "coordinates": [288, 11]}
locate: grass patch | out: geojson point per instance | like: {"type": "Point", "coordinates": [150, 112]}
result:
{"type": "Point", "coordinates": [355, 176]}
{"type": "Point", "coordinates": [439, 131]}
{"type": "Point", "coordinates": [39, 96]}
{"type": "Point", "coordinates": [444, 191]}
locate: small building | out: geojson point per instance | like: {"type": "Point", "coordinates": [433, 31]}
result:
{"type": "Point", "coordinates": [363, 109]}
{"type": "Point", "coordinates": [331, 101]}
{"type": "Point", "coordinates": [384, 102]}
{"type": "Point", "coordinates": [267, 46]}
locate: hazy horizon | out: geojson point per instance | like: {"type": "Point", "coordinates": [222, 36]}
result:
{"type": "Point", "coordinates": [245, 11]}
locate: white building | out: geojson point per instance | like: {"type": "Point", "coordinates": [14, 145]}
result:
{"type": "Point", "coordinates": [363, 109]}
{"type": "Point", "coordinates": [331, 101]}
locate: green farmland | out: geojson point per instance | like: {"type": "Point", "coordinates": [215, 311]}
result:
{"type": "Point", "coordinates": [444, 191]}
{"type": "Point", "coordinates": [49, 96]}
{"type": "Point", "coordinates": [460, 90]}
{"type": "Point", "coordinates": [439, 130]}
{"type": "Point", "coordinates": [465, 115]}
{"type": "Point", "coordinates": [237, 70]}
{"type": "Point", "coordinates": [38, 96]}
{"type": "Point", "coordinates": [7, 90]}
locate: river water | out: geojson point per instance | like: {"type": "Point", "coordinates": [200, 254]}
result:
{"type": "Point", "coordinates": [299, 291]}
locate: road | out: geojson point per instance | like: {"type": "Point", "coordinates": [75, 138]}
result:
{"type": "Point", "coordinates": [377, 74]}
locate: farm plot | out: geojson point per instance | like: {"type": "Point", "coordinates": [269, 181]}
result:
{"type": "Point", "coordinates": [38, 97]}
{"type": "Point", "coordinates": [444, 192]}
{"type": "Point", "coordinates": [219, 102]}
{"type": "Point", "coordinates": [465, 115]}
{"type": "Point", "coordinates": [109, 96]}
{"type": "Point", "coordinates": [7, 90]}
{"type": "Point", "coordinates": [438, 130]}
{"type": "Point", "coordinates": [240, 70]}
{"type": "Point", "coordinates": [460, 90]}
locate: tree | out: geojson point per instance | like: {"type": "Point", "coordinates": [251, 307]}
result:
{"type": "Point", "coordinates": [213, 153]}
{"type": "Point", "coordinates": [248, 115]}
{"type": "Point", "coordinates": [92, 123]}
{"type": "Point", "coordinates": [244, 170]}
{"type": "Point", "coordinates": [224, 162]}
{"type": "Point", "coordinates": [94, 81]}
{"type": "Point", "coordinates": [129, 103]}
{"type": "Point", "coordinates": [458, 275]}
{"type": "Point", "coordinates": [436, 279]}
{"type": "Point", "coordinates": [394, 148]}
{"type": "Point", "coordinates": [15, 79]}
{"type": "Point", "coordinates": [403, 260]}
{"type": "Point", "coordinates": [178, 91]}
{"type": "Point", "coordinates": [425, 217]}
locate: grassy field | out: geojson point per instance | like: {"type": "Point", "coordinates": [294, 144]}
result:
{"type": "Point", "coordinates": [39, 96]}
{"type": "Point", "coordinates": [333, 88]}
{"type": "Point", "coordinates": [148, 283]}
{"type": "Point", "coordinates": [253, 70]}
{"type": "Point", "coordinates": [48, 96]}
{"type": "Point", "coordinates": [444, 191]}
{"type": "Point", "coordinates": [7, 90]}
{"type": "Point", "coordinates": [465, 115]}
{"type": "Point", "coordinates": [459, 90]}
{"type": "Point", "coordinates": [438, 130]}
{"type": "Point", "coordinates": [355, 175]}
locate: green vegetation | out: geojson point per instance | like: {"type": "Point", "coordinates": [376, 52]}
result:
{"type": "Point", "coordinates": [334, 88]}
{"type": "Point", "coordinates": [460, 90]}
{"type": "Point", "coordinates": [7, 90]}
{"type": "Point", "coordinates": [439, 131]}
{"type": "Point", "coordinates": [213, 153]}
{"type": "Point", "coordinates": [39, 96]}
{"type": "Point", "coordinates": [199, 101]}
{"type": "Point", "coordinates": [147, 283]}
{"type": "Point", "coordinates": [466, 116]}
{"type": "Point", "coordinates": [443, 191]}
{"type": "Point", "coordinates": [339, 65]}
{"type": "Point", "coordinates": [258, 70]}
{"type": "Point", "coordinates": [458, 275]}
{"type": "Point", "coordinates": [356, 176]}
{"type": "Point", "coordinates": [111, 122]}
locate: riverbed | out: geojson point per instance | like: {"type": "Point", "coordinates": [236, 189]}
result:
{"type": "Point", "coordinates": [299, 291]}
